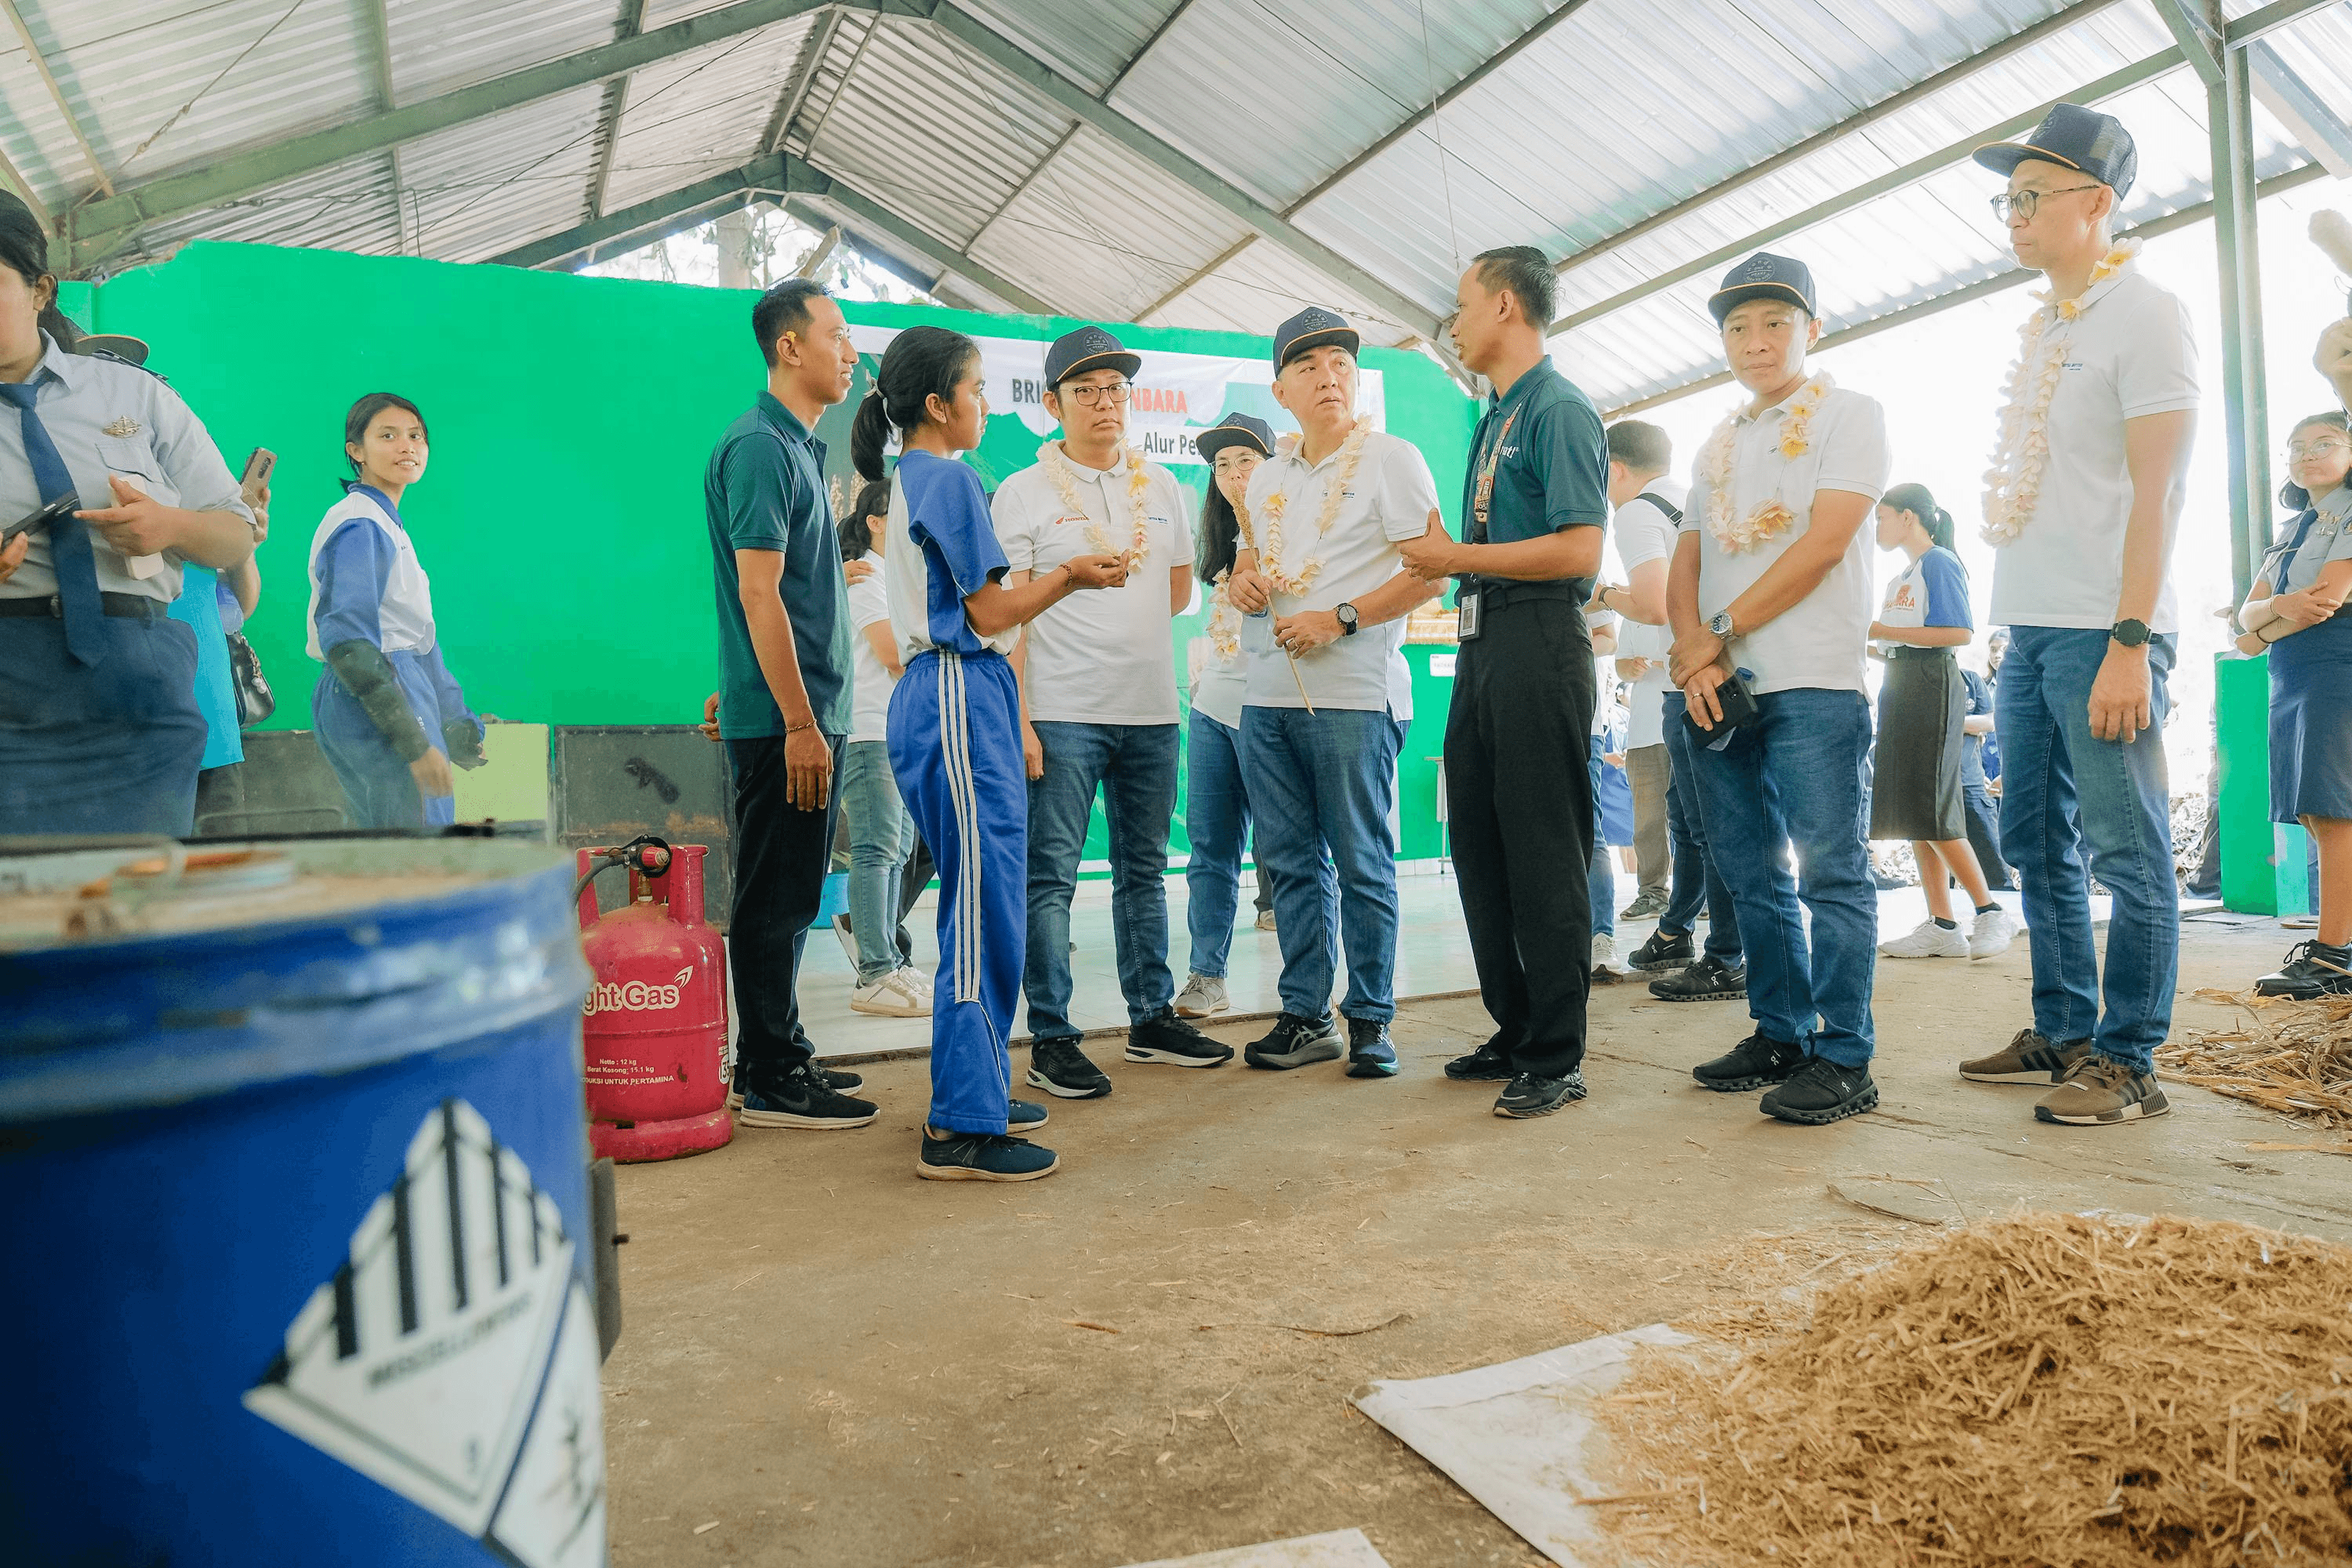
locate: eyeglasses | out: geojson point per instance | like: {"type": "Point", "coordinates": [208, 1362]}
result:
{"type": "Point", "coordinates": [2024, 204]}
{"type": "Point", "coordinates": [1092, 396]}
{"type": "Point", "coordinates": [2297, 450]}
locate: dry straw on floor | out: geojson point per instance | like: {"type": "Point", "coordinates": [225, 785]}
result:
{"type": "Point", "coordinates": [2293, 1058]}
{"type": "Point", "coordinates": [2044, 1389]}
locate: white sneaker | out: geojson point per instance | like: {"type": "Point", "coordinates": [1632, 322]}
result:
{"type": "Point", "coordinates": [1994, 932]}
{"type": "Point", "coordinates": [1204, 995]}
{"type": "Point", "coordinates": [892, 996]}
{"type": "Point", "coordinates": [1606, 970]}
{"type": "Point", "coordinates": [1930, 941]}
{"type": "Point", "coordinates": [1266, 921]}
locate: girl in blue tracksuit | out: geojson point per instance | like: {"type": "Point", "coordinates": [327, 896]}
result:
{"type": "Point", "coordinates": [390, 716]}
{"type": "Point", "coordinates": [955, 734]}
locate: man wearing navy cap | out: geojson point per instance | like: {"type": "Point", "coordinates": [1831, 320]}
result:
{"type": "Point", "coordinates": [2107, 387]}
{"type": "Point", "coordinates": [1518, 779]}
{"type": "Point", "coordinates": [1326, 593]}
{"type": "Point", "coordinates": [1770, 594]}
{"type": "Point", "coordinates": [1099, 707]}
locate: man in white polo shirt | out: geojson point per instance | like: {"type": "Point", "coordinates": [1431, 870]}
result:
{"type": "Point", "coordinates": [1099, 707]}
{"type": "Point", "coordinates": [2083, 503]}
{"type": "Point", "coordinates": [1771, 591]}
{"type": "Point", "coordinates": [1325, 595]}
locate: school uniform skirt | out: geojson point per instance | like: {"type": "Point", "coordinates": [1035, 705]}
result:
{"type": "Point", "coordinates": [1915, 789]}
{"type": "Point", "coordinates": [2311, 722]}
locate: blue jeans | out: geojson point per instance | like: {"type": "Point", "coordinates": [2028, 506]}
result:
{"type": "Point", "coordinates": [1697, 884]}
{"type": "Point", "coordinates": [1217, 821]}
{"type": "Point", "coordinates": [1322, 785]}
{"type": "Point", "coordinates": [1134, 766]}
{"type": "Point", "coordinates": [2059, 789]}
{"type": "Point", "coordinates": [881, 837]}
{"type": "Point", "coordinates": [1602, 875]}
{"type": "Point", "coordinates": [1797, 777]}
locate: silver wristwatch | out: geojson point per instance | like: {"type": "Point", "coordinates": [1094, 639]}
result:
{"type": "Point", "coordinates": [1721, 625]}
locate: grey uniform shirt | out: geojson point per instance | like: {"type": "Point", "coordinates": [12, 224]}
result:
{"type": "Point", "coordinates": [2290, 568]}
{"type": "Point", "coordinates": [108, 417]}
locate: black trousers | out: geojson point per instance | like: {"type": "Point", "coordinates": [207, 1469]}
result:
{"type": "Point", "coordinates": [1518, 794]}
{"type": "Point", "coordinates": [781, 854]}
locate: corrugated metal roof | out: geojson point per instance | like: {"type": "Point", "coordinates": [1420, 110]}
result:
{"type": "Point", "coordinates": [1565, 124]}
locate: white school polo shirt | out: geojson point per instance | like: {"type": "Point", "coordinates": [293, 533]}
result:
{"type": "Point", "coordinates": [1818, 642]}
{"type": "Point", "coordinates": [1388, 501]}
{"type": "Point", "coordinates": [1642, 535]}
{"type": "Point", "coordinates": [1102, 655]}
{"type": "Point", "coordinates": [2127, 354]}
{"type": "Point", "coordinates": [870, 679]}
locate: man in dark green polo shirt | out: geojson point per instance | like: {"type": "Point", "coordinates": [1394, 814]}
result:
{"type": "Point", "coordinates": [783, 692]}
{"type": "Point", "coordinates": [1518, 747]}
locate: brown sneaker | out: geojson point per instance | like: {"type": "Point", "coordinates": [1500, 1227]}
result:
{"type": "Point", "coordinates": [2100, 1090]}
{"type": "Point", "coordinates": [2029, 1059]}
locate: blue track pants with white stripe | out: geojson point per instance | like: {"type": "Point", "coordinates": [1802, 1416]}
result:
{"type": "Point", "coordinates": [955, 747]}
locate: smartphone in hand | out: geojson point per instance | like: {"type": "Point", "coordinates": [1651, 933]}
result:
{"type": "Point", "coordinates": [65, 505]}
{"type": "Point", "coordinates": [257, 468]}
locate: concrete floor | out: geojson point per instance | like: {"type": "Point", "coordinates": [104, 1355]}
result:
{"type": "Point", "coordinates": [1148, 1353]}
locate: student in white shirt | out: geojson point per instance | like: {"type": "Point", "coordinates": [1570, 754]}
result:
{"type": "Point", "coordinates": [1771, 585]}
{"type": "Point", "coordinates": [881, 831]}
{"type": "Point", "coordinates": [1325, 595]}
{"type": "Point", "coordinates": [2083, 503]}
{"type": "Point", "coordinates": [1099, 707]}
{"type": "Point", "coordinates": [1648, 522]}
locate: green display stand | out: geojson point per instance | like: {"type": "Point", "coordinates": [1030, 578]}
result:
{"type": "Point", "coordinates": [2263, 863]}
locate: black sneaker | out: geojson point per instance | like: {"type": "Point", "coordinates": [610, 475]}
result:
{"type": "Point", "coordinates": [1177, 1043]}
{"type": "Point", "coordinates": [1293, 1041]}
{"type": "Point", "coordinates": [834, 1078]}
{"type": "Point", "coordinates": [1756, 1062]}
{"type": "Point", "coordinates": [1023, 1117]}
{"type": "Point", "coordinates": [1369, 1055]}
{"type": "Point", "coordinates": [2312, 969]}
{"type": "Point", "coordinates": [1485, 1064]}
{"type": "Point", "coordinates": [800, 1098]}
{"type": "Point", "coordinates": [981, 1157]}
{"type": "Point", "coordinates": [1820, 1092]}
{"type": "Point", "coordinates": [1709, 980]}
{"type": "Point", "coordinates": [1663, 950]}
{"type": "Point", "coordinates": [1529, 1096]}
{"type": "Point", "coordinates": [1060, 1068]}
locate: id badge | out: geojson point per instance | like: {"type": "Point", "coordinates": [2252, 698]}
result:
{"type": "Point", "coordinates": [1466, 602]}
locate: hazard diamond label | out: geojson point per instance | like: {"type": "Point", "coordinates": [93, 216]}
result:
{"type": "Point", "coordinates": [453, 1356]}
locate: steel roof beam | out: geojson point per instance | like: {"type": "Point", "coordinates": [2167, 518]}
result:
{"type": "Point", "coordinates": [616, 98]}
{"type": "Point", "coordinates": [796, 91]}
{"type": "Point", "coordinates": [1911, 174]}
{"type": "Point", "coordinates": [2200, 40]}
{"type": "Point", "coordinates": [2304, 114]}
{"type": "Point", "coordinates": [2270, 19]}
{"type": "Point", "coordinates": [100, 226]}
{"type": "Point", "coordinates": [953, 263]}
{"type": "Point", "coordinates": [1949, 75]}
{"type": "Point", "coordinates": [1999, 283]}
{"type": "Point", "coordinates": [58, 95]}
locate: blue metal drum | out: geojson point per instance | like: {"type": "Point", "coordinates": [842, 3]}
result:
{"type": "Point", "coordinates": [293, 1187]}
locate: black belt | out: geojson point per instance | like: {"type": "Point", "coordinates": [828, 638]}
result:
{"type": "Point", "coordinates": [1494, 592]}
{"type": "Point", "coordinates": [1912, 650]}
{"type": "Point", "coordinates": [48, 606]}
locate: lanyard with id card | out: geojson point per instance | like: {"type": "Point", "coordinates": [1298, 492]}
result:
{"type": "Point", "coordinates": [1481, 497]}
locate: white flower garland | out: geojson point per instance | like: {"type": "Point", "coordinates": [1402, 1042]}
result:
{"type": "Point", "coordinates": [1138, 487]}
{"type": "Point", "coordinates": [1269, 559]}
{"type": "Point", "coordinates": [1772, 518]}
{"type": "Point", "coordinates": [2014, 483]}
{"type": "Point", "coordinates": [1224, 622]}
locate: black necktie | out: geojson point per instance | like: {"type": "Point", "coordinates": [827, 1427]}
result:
{"type": "Point", "coordinates": [70, 551]}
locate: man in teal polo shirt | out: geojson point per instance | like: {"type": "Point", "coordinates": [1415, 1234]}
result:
{"type": "Point", "coordinates": [784, 693]}
{"type": "Point", "coordinates": [1518, 787]}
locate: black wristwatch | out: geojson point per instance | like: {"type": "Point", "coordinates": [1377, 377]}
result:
{"type": "Point", "coordinates": [2131, 633]}
{"type": "Point", "coordinates": [1347, 619]}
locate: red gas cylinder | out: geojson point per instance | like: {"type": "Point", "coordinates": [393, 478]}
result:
{"type": "Point", "coordinates": [654, 1031]}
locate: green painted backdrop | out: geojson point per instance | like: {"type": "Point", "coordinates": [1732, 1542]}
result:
{"type": "Point", "coordinates": [562, 519]}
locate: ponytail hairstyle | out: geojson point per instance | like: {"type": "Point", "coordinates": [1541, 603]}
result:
{"type": "Point", "coordinates": [2292, 496]}
{"type": "Point", "coordinates": [920, 362]}
{"type": "Point", "coordinates": [1916, 500]}
{"type": "Point", "coordinates": [864, 518]}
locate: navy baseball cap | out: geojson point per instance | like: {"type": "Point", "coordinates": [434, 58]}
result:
{"type": "Point", "coordinates": [1235, 430]}
{"type": "Point", "coordinates": [1312, 328]}
{"type": "Point", "coordinates": [2077, 137]}
{"type": "Point", "coordinates": [1089, 348]}
{"type": "Point", "coordinates": [1764, 275]}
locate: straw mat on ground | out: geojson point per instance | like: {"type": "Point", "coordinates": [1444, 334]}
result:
{"type": "Point", "coordinates": [2293, 1058]}
{"type": "Point", "coordinates": [2042, 1389]}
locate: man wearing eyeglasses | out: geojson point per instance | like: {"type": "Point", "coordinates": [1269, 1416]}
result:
{"type": "Point", "coordinates": [1099, 707]}
{"type": "Point", "coordinates": [2084, 499]}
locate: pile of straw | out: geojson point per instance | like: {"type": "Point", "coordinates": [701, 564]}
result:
{"type": "Point", "coordinates": [2043, 1389]}
{"type": "Point", "coordinates": [2293, 1058]}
